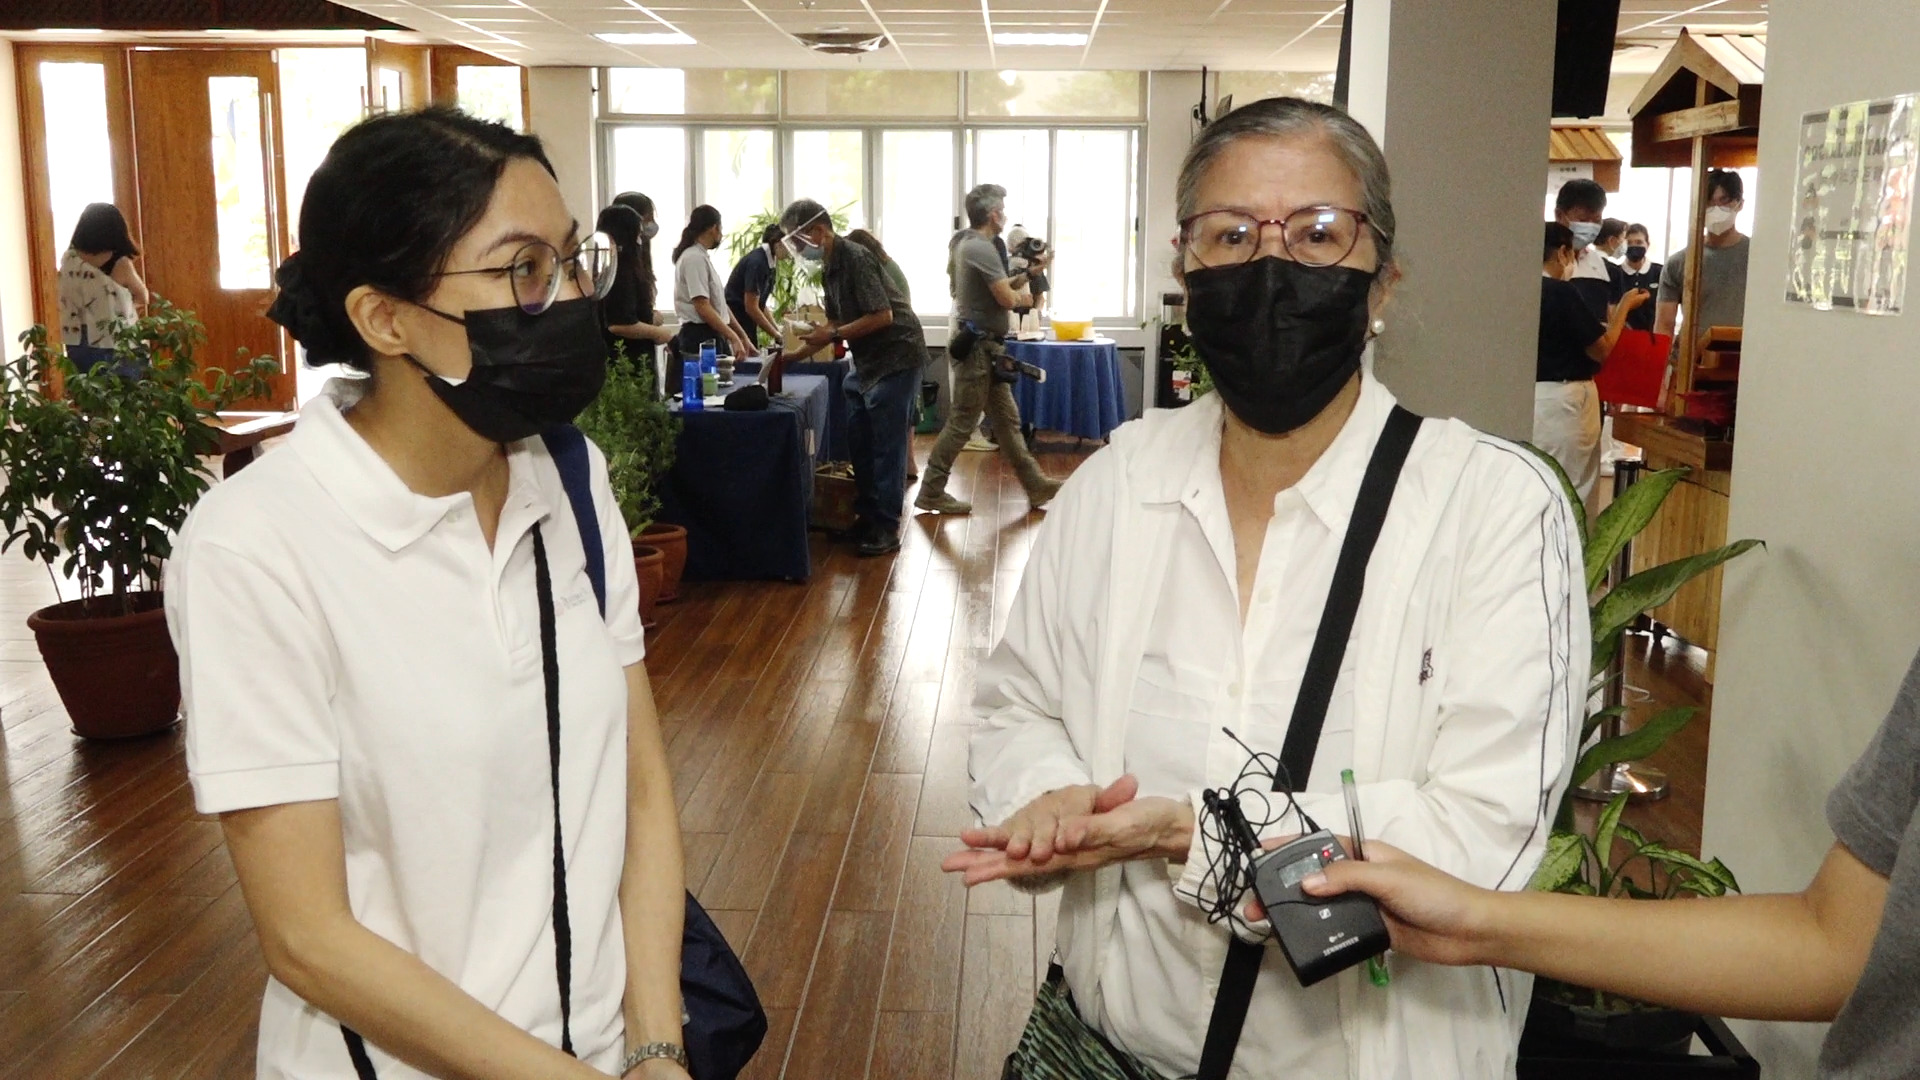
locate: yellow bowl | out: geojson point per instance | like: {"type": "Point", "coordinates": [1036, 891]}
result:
{"type": "Point", "coordinates": [1071, 330]}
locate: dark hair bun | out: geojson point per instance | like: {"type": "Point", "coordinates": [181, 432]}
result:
{"type": "Point", "coordinates": [300, 308]}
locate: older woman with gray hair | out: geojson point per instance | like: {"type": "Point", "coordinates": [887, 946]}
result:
{"type": "Point", "coordinates": [1291, 578]}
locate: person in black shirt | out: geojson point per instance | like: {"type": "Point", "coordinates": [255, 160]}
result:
{"type": "Point", "coordinates": [1639, 272]}
{"type": "Point", "coordinates": [750, 286]}
{"type": "Point", "coordinates": [627, 313]}
{"type": "Point", "coordinates": [1573, 343]}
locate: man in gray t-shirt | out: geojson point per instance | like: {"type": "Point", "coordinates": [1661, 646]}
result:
{"type": "Point", "coordinates": [976, 266]}
{"type": "Point", "coordinates": [1723, 267]}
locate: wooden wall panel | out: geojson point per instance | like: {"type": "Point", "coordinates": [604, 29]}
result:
{"type": "Point", "coordinates": [1693, 520]}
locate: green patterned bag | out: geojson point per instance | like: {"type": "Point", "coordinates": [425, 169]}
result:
{"type": "Point", "coordinates": [1058, 1045]}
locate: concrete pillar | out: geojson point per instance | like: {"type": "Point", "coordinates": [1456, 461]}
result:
{"type": "Point", "coordinates": [562, 114]}
{"type": "Point", "coordinates": [1459, 93]}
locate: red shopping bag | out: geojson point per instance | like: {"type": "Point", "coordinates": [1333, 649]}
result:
{"type": "Point", "coordinates": [1635, 370]}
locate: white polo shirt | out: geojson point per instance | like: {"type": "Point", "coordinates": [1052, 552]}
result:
{"type": "Point", "coordinates": [342, 637]}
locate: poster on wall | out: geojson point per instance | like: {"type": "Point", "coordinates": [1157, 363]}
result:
{"type": "Point", "coordinates": [1854, 189]}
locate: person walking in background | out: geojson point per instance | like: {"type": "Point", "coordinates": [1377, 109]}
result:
{"type": "Point", "coordinates": [1573, 344]}
{"type": "Point", "coordinates": [99, 287]}
{"type": "Point", "coordinates": [627, 312]}
{"type": "Point", "coordinates": [750, 286]}
{"type": "Point", "coordinates": [1639, 271]}
{"type": "Point", "coordinates": [699, 296]}
{"type": "Point", "coordinates": [983, 296]}
{"type": "Point", "coordinates": [1581, 206]}
{"type": "Point", "coordinates": [889, 353]}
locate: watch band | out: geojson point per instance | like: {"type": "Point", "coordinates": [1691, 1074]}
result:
{"type": "Point", "coordinates": [651, 1051]}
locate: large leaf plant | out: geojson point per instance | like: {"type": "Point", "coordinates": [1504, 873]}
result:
{"type": "Point", "coordinates": [635, 430]}
{"type": "Point", "coordinates": [1614, 859]}
{"type": "Point", "coordinates": [99, 478]}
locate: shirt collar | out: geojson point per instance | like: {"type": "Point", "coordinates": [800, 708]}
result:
{"type": "Point", "coordinates": [356, 477]}
{"type": "Point", "coordinates": [1333, 482]}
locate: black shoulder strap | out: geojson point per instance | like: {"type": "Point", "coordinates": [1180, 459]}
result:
{"type": "Point", "coordinates": [1242, 968]}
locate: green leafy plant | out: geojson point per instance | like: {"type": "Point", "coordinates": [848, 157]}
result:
{"type": "Point", "coordinates": [636, 431]}
{"type": "Point", "coordinates": [1186, 359]}
{"type": "Point", "coordinates": [100, 479]}
{"type": "Point", "coordinates": [790, 276]}
{"type": "Point", "coordinates": [1585, 863]}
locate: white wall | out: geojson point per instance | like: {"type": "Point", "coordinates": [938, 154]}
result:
{"type": "Point", "coordinates": [1465, 134]}
{"type": "Point", "coordinates": [1815, 632]}
{"type": "Point", "coordinates": [16, 271]}
{"type": "Point", "coordinates": [562, 114]}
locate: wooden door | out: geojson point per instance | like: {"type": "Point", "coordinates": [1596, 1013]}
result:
{"type": "Point", "coordinates": [210, 194]}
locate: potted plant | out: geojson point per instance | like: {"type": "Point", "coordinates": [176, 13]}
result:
{"type": "Point", "coordinates": [1613, 859]}
{"type": "Point", "coordinates": [98, 481]}
{"type": "Point", "coordinates": [634, 429]}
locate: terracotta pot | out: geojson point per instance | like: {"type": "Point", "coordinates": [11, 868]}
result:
{"type": "Point", "coordinates": [650, 566]}
{"type": "Point", "coordinates": [672, 542]}
{"type": "Point", "coordinates": [116, 674]}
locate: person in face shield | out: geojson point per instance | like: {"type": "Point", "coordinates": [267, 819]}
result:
{"type": "Point", "coordinates": [1175, 592]}
{"type": "Point", "coordinates": [402, 698]}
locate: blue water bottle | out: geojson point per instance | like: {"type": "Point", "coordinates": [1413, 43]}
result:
{"type": "Point", "coordinates": [691, 399]}
{"type": "Point", "coordinates": [708, 354]}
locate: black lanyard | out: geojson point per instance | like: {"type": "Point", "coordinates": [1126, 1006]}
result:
{"type": "Point", "coordinates": [562, 929]}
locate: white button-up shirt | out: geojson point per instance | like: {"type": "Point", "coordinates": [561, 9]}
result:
{"type": "Point", "coordinates": [1458, 706]}
{"type": "Point", "coordinates": [344, 638]}
{"type": "Point", "coordinates": [1204, 672]}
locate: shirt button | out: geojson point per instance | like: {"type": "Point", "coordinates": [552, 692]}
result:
{"type": "Point", "coordinates": [1266, 596]}
{"type": "Point", "coordinates": [1233, 691]}
{"type": "Point", "coordinates": [456, 515]}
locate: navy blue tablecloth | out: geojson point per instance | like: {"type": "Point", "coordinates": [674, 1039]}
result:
{"type": "Point", "coordinates": [835, 372]}
{"type": "Point", "coordinates": [1082, 395]}
{"type": "Point", "coordinates": [742, 483]}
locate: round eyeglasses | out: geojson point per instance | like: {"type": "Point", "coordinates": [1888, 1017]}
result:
{"type": "Point", "coordinates": [1311, 235]}
{"type": "Point", "coordinates": [537, 270]}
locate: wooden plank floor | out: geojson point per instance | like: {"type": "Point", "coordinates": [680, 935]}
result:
{"type": "Point", "coordinates": [817, 735]}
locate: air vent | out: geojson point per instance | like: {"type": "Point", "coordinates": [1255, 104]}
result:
{"type": "Point", "coordinates": [842, 42]}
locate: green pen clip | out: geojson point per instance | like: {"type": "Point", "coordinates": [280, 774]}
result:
{"type": "Point", "coordinates": [1376, 965]}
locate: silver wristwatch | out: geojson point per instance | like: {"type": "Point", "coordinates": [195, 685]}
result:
{"type": "Point", "coordinates": [654, 1050]}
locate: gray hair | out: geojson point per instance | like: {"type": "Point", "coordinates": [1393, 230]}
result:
{"type": "Point", "coordinates": [984, 199]}
{"type": "Point", "coordinates": [1287, 117]}
{"type": "Point", "coordinates": [800, 214]}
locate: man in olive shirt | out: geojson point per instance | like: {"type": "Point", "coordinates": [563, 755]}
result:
{"type": "Point", "coordinates": [889, 351]}
{"type": "Point", "coordinates": [983, 294]}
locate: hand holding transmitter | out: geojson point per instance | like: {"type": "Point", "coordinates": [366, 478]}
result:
{"type": "Point", "coordinates": [1320, 937]}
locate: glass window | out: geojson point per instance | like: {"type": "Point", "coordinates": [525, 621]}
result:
{"type": "Point", "coordinates": [79, 147]}
{"type": "Point", "coordinates": [653, 162]}
{"type": "Point", "coordinates": [1093, 269]}
{"type": "Point", "coordinates": [1020, 162]}
{"type": "Point", "coordinates": [693, 92]}
{"type": "Point", "coordinates": [916, 209]}
{"type": "Point", "coordinates": [239, 183]}
{"type": "Point", "coordinates": [888, 94]}
{"type": "Point", "coordinates": [1104, 94]}
{"type": "Point", "coordinates": [1246, 87]}
{"type": "Point", "coordinates": [739, 179]}
{"type": "Point", "coordinates": [320, 95]}
{"type": "Point", "coordinates": [491, 91]}
{"type": "Point", "coordinates": [393, 91]}
{"type": "Point", "coordinates": [831, 166]}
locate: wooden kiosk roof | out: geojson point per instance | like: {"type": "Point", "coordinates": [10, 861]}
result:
{"type": "Point", "coordinates": [1708, 86]}
{"type": "Point", "coordinates": [1585, 143]}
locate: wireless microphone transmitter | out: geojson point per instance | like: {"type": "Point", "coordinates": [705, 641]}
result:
{"type": "Point", "coordinates": [1320, 937]}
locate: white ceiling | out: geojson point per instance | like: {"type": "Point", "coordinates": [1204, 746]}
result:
{"type": "Point", "coordinates": [1277, 35]}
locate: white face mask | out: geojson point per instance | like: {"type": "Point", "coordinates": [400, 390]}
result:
{"type": "Point", "coordinates": [1584, 233]}
{"type": "Point", "coordinates": [1719, 219]}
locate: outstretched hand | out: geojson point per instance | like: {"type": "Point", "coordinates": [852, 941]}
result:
{"type": "Point", "coordinates": [1077, 828]}
{"type": "Point", "coordinates": [1430, 914]}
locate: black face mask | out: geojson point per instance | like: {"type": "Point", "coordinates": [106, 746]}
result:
{"type": "Point", "coordinates": [1636, 252]}
{"type": "Point", "coordinates": [530, 372]}
{"type": "Point", "coordinates": [1279, 338]}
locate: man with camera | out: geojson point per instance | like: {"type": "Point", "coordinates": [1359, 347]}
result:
{"type": "Point", "coordinates": [983, 294]}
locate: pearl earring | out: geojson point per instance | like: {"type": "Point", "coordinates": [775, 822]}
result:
{"type": "Point", "coordinates": [1379, 327]}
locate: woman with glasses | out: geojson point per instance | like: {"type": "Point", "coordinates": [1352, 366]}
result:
{"type": "Point", "coordinates": [1162, 633]}
{"type": "Point", "coordinates": [436, 763]}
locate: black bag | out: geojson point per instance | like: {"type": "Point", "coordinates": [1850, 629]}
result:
{"type": "Point", "coordinates": [960, 343]}
{"type": "Point", "coordinates": [749, 398]}
{"type": "Point", "coordinates": [723, 1024]}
